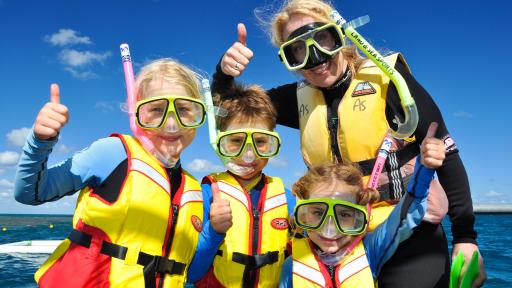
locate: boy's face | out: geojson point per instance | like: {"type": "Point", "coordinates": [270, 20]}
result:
{"type": "Point", "coordinates": [338, 190]}
{"type": "Point", "coordinates": [170, 139]}
{"type": "Point", "coordinates": [258, 163]}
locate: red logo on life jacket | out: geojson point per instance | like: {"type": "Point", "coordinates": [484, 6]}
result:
{"type": "Point", "coordinates": [197, 223]}
{"type": "Point", "coordinates": [279, 223]}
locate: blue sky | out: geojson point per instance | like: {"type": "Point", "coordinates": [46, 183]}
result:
{"type": "Point", "coordinates": [457, 49]}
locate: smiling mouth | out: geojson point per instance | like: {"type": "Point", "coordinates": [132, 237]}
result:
{"type": "Point", "coordinates": [170, 138]}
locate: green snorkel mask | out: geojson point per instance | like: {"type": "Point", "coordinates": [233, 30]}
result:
{"type": "Point", "coordinates": [406, 128]}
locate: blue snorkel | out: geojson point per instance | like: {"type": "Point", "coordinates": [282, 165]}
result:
{"type": "Point", "coordinates": [211, 111]}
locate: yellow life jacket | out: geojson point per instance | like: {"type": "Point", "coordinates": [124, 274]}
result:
{"type": "Point", "coordinates": [141, 220]}
{"type": "Point", "coordinates": [268, 230]}
{"type": "Point", "coordinates": [362, 123]}
{"type": "Point", "coordinates": [308, 271]}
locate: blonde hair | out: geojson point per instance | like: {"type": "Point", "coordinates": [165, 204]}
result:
{"type": "Point", "coordinates": [332, 173]}
{"type": "Point", "coordinates": [318, 10]}
{"type": "Point", "coordinates": [168, 70]}
{"type": "Point", "coordinates": [246, 104]}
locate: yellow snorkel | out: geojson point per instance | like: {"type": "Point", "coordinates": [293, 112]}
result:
{"type": "Point", "coordinates": [406, 128]}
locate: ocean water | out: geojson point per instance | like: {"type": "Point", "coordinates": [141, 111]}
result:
{"type": "Point", "coordinates": [494, 238]}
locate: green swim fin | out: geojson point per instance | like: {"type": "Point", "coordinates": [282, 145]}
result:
{"type": "Point", "coordinates": [469, 275]}
{"type": "Point", "coordinates": [455, 270]}
{"type": "Point", "coordinates": [471, 272]}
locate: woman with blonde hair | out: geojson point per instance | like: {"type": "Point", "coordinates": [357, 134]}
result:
{"type": "Point", "coordinates": [344, 107]}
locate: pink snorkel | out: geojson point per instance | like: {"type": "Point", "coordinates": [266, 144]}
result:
{"type": "Point", "coordinates": [132, 98]}
{"type": "Point", "coordinates": [373, 182]}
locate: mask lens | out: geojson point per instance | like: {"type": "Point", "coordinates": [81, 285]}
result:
{"type": "Point", "coordinates": [151, 114]}
{"type": "Point", "coordinates": [190, 113]}
{"type": "Point", "coordinates": [266, 145]}
{"type": "Point", "coordinates": [295, 52]}
{"type": "Point", "coordinates": [328, 38]}
{"type": "Point", "coordinates": [230, 145]}
{"type": "Point", "coordinates": [350, 220]}
{"type": "Point", "coordinates": [311, 215]}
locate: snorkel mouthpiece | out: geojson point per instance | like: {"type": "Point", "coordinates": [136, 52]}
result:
{"type": "Point", "coordinates": [405, 129]}
{"type": "Point", "coordinates": [237, 169]}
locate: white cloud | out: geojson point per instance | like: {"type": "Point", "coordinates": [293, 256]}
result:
{"type": "Point", "coordinates": [63, 148]}
{"type": "Point", "coordinates": [462, 114]}
{"type": "Point", "coordinates": [6, 188]}
{"type": "Point", "coordinates": [84, 75]}
{"type": "Point", "coordinates": [278, 162]}
{"type": "Point", "coordinates": [66, 37]}
{"type": "Point", "coordinates": [17, 137]}
{"type": "Point", "coordinates": [493, 194]}
{"type": "Point", "coordinates": [75, 58]}
{"type": "Point", "coordinates": [106, 106]}
{"type": "Point", "coordinates": [4, 183]}
{"type": "Point", "coordinates": [2, 171]}
{"type": "Point", "coordinates": [9, 158]}
{"type": "Point", "coordinates": [201, 165]}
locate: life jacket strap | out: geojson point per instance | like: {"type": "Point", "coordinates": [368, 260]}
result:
{"type": "Point", "coordinates": [252, 263]}
{"type": "Point", "coordinates": [152, 264]}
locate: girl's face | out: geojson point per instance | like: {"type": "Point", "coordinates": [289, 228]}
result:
{"type": "Point", "coordinates": [257, 164]}
{"type": "Point", "coordinates": [171, 138]}
{"type": "Point", "coordinates": [326, 74]}
{"type": "Point", "coordinates": [337, 190]}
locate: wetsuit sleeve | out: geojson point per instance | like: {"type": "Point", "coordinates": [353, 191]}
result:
{"type": "Point", "coordinates": [382, 243]}
{"type": "Point", "coordinates": [290, 201]}
{"type": "Point", "coordinates": [35, 183]}
{"type": "Point", "coordinates": [452, 174]}
{"type": "Point", "coordinates": [283, 97]}
{"type": "Point", "coordinates": [208, 243]}
{"type": "Point", "coordinates": [286, 274]}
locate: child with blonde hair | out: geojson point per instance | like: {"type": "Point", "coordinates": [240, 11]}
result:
{"type": "Point", "coordinates": [138, 215]}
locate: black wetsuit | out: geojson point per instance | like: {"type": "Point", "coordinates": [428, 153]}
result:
{"type": "Point", "coordinates": [423, 259]}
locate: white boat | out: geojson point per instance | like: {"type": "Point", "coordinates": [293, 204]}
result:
{"type": "Point", "coordinates": [30, 246]}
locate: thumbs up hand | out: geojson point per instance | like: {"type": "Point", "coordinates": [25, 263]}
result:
{"type": "Point", "coordinates": [432, 149]}
{"type": "Point", "coordinates": [238, 56]}
{"type": "Point", "coordinates": [52, 117]}
{"type": "Point", "coordinates": [220, 212]}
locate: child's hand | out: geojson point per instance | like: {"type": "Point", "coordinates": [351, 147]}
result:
{"type": "Point", "coordinates": [432, 149]}
{"type": "Point", "coordinates": [220, 212]}
{"type": "Point", "coordinates": [238, 56]}
{"type": "Point", "coordinates": [52, 117]}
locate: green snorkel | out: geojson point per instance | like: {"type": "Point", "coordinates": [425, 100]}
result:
{"type": "Point", "coordinates": [466, 280]}
{"type": "Point", "coordinates": [406, 128]}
